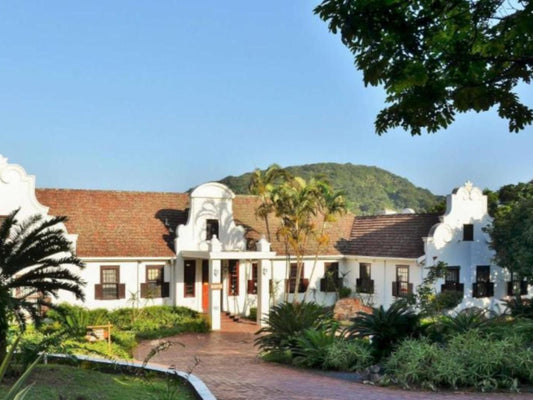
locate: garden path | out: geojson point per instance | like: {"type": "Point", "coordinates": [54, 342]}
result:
{"type": "Point", "coordinates": [229, 366]}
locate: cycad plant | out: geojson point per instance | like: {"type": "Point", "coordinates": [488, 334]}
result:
{"type": "Point", "coordinates": [286, 321]}
{"type": "Point", "coordinates": [36, 261]}
{"type": "Point", "coordinates": [386, 327]}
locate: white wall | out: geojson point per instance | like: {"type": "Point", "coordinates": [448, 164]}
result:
{"type": "Point", "coordinates": [466, 205]}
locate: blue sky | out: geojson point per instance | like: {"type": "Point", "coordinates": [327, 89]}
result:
{"type": "Point", "coordinates": [162, 96]}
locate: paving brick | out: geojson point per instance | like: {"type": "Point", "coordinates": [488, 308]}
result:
{"type": "Point", "coordinates": [231, 369]}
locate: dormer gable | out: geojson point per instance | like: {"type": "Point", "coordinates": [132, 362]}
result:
{"type": "Point", "coordinates": [210, 216]}
{"type": "Point", "coordinates": [465, 217]}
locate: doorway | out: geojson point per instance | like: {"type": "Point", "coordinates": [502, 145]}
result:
{"type": "Point", "coordinates": [205, 285]}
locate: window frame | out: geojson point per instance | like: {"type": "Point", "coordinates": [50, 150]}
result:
{"type": "Point", "coordinates": [468, 234]}
{"type": "Point", "coordinates": [233, 277]}
{"type": "Point", "coordinates": [365, 265]}
{"type": "Point", "coordinates": [403, 286]}
{"type": "Point", "coordinates": [212, 227]}
{"type": "Point", "coordinates": [115, 268]}
{"type": "Point", "coordinates": [155, 286]}
{"type": "Point", "coordinates": [189, 286]}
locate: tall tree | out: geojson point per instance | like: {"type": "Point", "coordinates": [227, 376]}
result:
{"type": "Point", "coordinates": [261, 184]}
{"type": "Point", "coordinates": [436, 58]}
{"type": "Point", "coordinates": [295, 204]}
{"type": "Point", "coordinates": [36, 261]}
{"type": "Point", "coordinates": [330, 204]}
{"type": "Point", "coordinates": [512, 230]}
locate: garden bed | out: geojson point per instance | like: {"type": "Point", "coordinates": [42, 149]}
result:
{"type": "Point", "coordinates": [55, 381]}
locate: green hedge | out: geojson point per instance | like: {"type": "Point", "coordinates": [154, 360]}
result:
{"type": "Point", "coordinates": [470, 359]}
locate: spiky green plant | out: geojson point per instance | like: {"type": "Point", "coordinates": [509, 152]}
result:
{"type": "Point", "coordinates": [36, 261]}
{"type": "Point", "coordinates": [286, 321]}
{"type": "Point", "coordinates": [386, 327]}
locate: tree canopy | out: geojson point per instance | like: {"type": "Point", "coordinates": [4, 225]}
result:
{"type": "Point", "coordinates": [512, 229]}
{"type": "Point", "coordinates": [436, 58]}
{"type": "Point", "coordinates": [36, 262]}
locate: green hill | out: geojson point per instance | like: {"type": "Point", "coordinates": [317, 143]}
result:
{"type": "Point", "coordinates": [369, 190]}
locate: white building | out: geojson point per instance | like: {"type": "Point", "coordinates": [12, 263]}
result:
{"type": "Point", "coordinates": [208, 251]}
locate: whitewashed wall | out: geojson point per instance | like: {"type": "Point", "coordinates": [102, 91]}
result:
{"type": "Point", "coordinates": [466, 205]}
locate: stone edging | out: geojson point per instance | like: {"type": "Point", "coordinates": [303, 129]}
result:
{"type": "Point", "coordinates": [202, 391]}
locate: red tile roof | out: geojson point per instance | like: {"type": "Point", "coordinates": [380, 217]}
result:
{"type": "Point", "coordinates": [134, 224]}
{"type": "Point", "coordinates": [397, 235]}
{"type": "Point", "coordinates": [118, 224]}
{"type": "Point", "coordinates": [244, 213]}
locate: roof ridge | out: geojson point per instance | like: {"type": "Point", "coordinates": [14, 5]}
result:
{"type": "Point", "coordinates": [397, 215]}
{"type": "Point", "coordinates": [111, 191]}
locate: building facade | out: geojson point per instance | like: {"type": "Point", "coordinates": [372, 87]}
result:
{"type": "Point", "coordinates": [208, 250]}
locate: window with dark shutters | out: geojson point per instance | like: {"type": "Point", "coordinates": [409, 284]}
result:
{"type": "Point", "coordinates": [451, 281]}
{"type": "Point", "coordinates": [401, 287]}
{"type": "Point", "coordinates": [331, 281]}
{"type": "Point", "coordinates": [109, 287]}
{"type": "Point", "coordinates": [364, 284]}
{"type": "Point", "coordinates": [155, 285]}
{"type": "Point", "coordinates": [483, 287]}
{"type": "Point", "coordinates": [290, 284]}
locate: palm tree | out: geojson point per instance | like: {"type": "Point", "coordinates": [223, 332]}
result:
{"type": "Point", "coordinates": [36, 261]}
{"type": "Point", "coordinates": [261, 184]}
{"type": "Point", "coordinates": [295, 204]}
{"type": "Point", "coordinates": [330, 203]}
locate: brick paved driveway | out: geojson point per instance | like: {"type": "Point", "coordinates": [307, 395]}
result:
{"type": "Point", "coordinates": [230, 368]}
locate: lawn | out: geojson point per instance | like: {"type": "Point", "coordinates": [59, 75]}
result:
{"type": "Point", "coordinates": [73, 383]}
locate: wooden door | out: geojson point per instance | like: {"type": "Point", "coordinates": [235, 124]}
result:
{"type": "Point", "coordinates": [205, 285]}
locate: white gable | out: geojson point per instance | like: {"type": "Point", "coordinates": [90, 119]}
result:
{"type": "Point", "coordinates": [210, 201]}
{"type": "Point", "coordinates": [17, 189]}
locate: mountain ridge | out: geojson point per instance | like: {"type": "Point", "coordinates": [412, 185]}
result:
{"type": "Point", "coordinates": [369, 190]}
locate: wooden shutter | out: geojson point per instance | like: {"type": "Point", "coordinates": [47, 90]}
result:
{"type": "Point", "coordinates": [98, 291]}
{"type": "Point", "coordinates": [144, 290]}
{"type": "Point", "coordinates": [395, 289]}
{"type": "Point", "coordinates": [121, 290]}
{"type": "Point", "coordinates": [165, 289]}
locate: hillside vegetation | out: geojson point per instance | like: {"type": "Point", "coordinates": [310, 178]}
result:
{"type": "Point", "coordinates": [369, 190]}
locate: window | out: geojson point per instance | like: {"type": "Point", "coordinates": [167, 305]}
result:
{"type": "Point", "coordinates": [483, 273]}
{"type": "Point", "coordinates": [364, 284]}
{"type": "Point", "coordinates": [402, 287]}
{"type": "Point", "coordinates": [233, 278]}
{"type": "Point", "coordinates": [189, 278]}
{"type": "Point", "coordinates": [155, 285]}
{"type": "Point", "coordinates": [451, 280]}
{"type": "Point", "coordinates": [211, 228]}
{"type": "Point", "coordinates": [516, 286]}
{"type": "Point", "coordinates": [468, 232]}
{"type": "Point", "coordinates": [483, 286]}
{"type": "Point", "coordinates": [252, 283]}
{"type": "Point", "coordinates": [364, 271]}
{"type": "Point", "coordinates": [290, 284]}
{"type": "Point", "coordinates": [110, 287]}
{"type": "Point", "coordinates": [331, 281]}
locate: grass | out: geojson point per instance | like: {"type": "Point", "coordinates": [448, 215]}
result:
{"type": "Point", "coordinates": [73, 383]}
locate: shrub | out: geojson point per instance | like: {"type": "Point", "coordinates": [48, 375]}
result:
{"type": "Point", "coordinates": [348, 355]}
{"type": "Point", "coordinates": [312, 346]}
{"type": "Point", "coordinates": [253, 314]}
{"type": "Point", "coordinates": [286, 321]}
{"type": "Point", "coordinates": [386, 327]}
{"type": "Point", "coordinates": [344, 292]}
{"type": "Point", "coordinates": [471, 359]}
{"type": "Point", "coordinates": [446, 300]}
{"type": "Point", "coordinates": [522, 308]}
